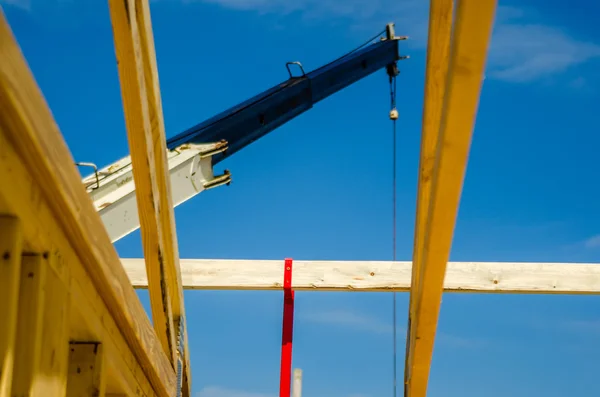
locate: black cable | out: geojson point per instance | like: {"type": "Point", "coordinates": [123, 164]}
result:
{"type": "Point", "coordinates": [351, 52]}
{"type": "Point", "coordinates": [394, 226]}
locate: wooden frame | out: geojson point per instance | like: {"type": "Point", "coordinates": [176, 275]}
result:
{"type": "Point", "coordinates": [67, 296]}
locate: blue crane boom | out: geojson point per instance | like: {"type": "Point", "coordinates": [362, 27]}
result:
{"type": "Point", "coordinates": [193, 153]}
{"type": "Point", "coordinates": [243, 124]}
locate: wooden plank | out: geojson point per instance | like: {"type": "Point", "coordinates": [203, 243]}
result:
{"type": "Point", "coordinates": [469, 46]}
{"type": "Point", "coordinates": [46, 190]}
{"type": "Point", "coordinates": [161, 169]}
{"type": "Point", "coordinates": [43, 325]}
{"type": "Point", "coordinates": [86, 370]}
{"type": "Point", "coordinates": [163, 181]}
{"type": "Point", "coordinates": [436, 70]}
{"type": "Point", "coordinates": [32, 295]}
{"type": "Point", "coordinates": [52, 375]}
{"type": "Point", "coordinates": [10, 271]}
{"type": "Point", "coordinates": [380, 276]}
{"type": "Point", "coordinates": [134, 45]}
{"type": "Point", "coordinates": [129, 53]}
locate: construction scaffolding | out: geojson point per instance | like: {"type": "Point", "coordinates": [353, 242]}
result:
{"type": "Point", "coordinates": [71, 321]}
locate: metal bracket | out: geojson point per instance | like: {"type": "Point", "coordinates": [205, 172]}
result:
{"type": "Point", "coordinates": [181, 354]}
{"type": "Point", "coordinates": [219, 148]}
{"type": "Point", "coordinates": [224, 179]}
{"type": "Point", "coordinates": [84, 164]}
{"type": "Point", "coordinates": [287, 65]}
{"type": "Point", "coordinates": [390, 33]}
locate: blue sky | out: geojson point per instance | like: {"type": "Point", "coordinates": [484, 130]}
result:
{"type": "Point", "coordinates": [530, 193]}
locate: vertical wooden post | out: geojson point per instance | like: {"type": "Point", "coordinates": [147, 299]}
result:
{"type": "Point", "coordinates": [10, 270]}
{"type": "Point", "coordinates": [30, 327]}
{"type": "Point", "coordinates": [55, 338]}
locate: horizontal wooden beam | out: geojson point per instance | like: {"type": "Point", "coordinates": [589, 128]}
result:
{"type": "Point", "coordinates": [379, 276]}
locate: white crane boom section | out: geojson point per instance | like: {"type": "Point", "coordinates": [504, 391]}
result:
{"type": "Point", "coordinates": [112, 188]}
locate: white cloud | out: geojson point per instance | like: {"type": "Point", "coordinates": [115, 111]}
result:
{"type": "Point", "coordinates": [410, 16]}
{"type": "Point", "coordinates": [24, 4]}
{"type": "Point", "coordinates": [458, 341]}
{"type": "Point", "coordinates": [367, 323]}
{"type": "Point", "coordinates": [259, 5]}
{"type": "Point", "coordinates": [521, 50]}
{"type": "Point", "coordinates": [346, 318]}
{"type": "Point", "coordinates": [578, 83]}
{"type": "Point", "coordinates": [592, 242]}
{"type": "Point", "coordinates": [217, 391]}
{"type": "Point", "coordinates": [526, 52]}
{"type": "Point", "coordinates": [586, 326]}
{"type": "Point", "coordinates": [508, 13]}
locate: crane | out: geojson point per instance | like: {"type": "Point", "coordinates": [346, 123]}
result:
{"type": "Point", "coordinates": [193, 153]}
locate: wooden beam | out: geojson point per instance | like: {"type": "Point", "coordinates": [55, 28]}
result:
{"type": "Point", "coordinates": [57, 213]}
{"type": "Point", "coordinates": [437, 217]}
{"type": "Point", "coordinates": [436, 70]}
{"type": "Point", "coordinates": [379, 276]}
{"type": "Point", "coordinates": [30, 327]}
{"type": "Point", "coordinates": [130, 54]}
{"type": "Point", "coordinates": [51, 377]}
{"type": "Point", "coordinates": [136, 59]}
{"type": "Point", "coordinates": [11, 242]}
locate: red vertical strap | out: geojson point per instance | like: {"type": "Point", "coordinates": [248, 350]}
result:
{"type": "Point", "coordinates": [287, 332]}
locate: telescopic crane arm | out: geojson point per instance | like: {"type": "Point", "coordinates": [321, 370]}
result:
{"type": "Point", "coordinates": [192, 153]}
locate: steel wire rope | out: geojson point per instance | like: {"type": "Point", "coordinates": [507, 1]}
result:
{"type": "Point", "coordinates": [394, 117]}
